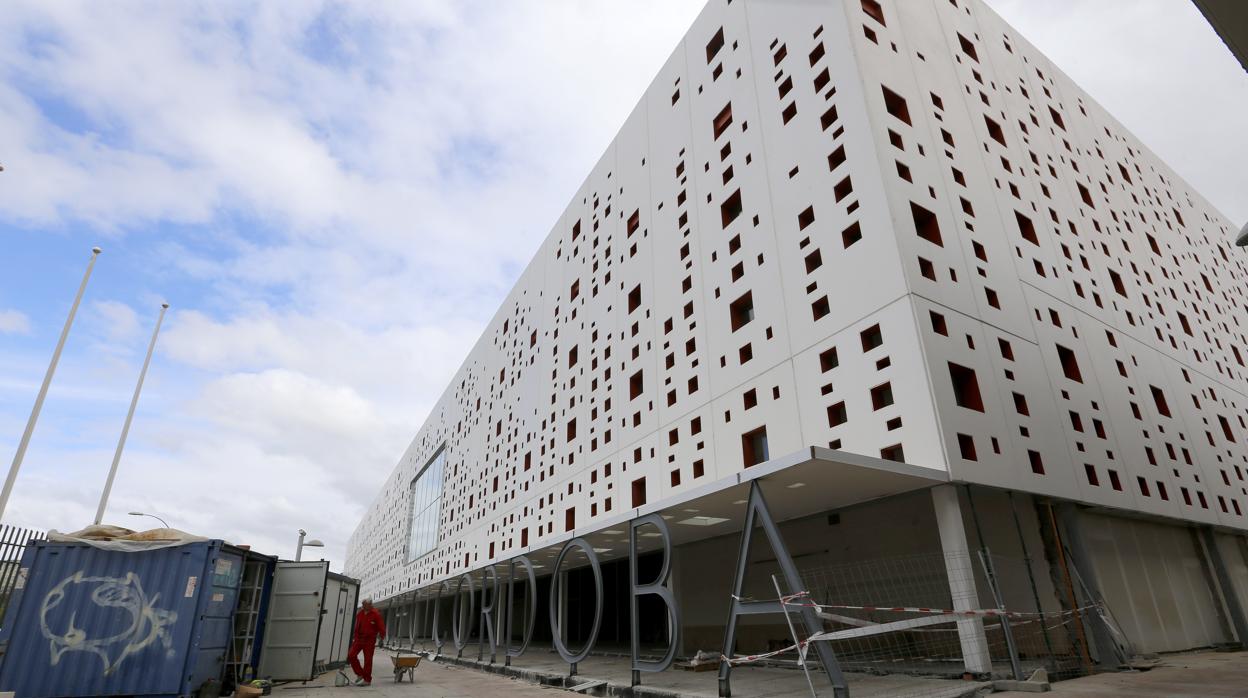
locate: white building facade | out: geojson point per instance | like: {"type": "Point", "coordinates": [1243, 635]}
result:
{"type": "Point", "coordinates": [889, 246]}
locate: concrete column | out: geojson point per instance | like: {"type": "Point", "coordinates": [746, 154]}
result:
{"type": "Point", "coordinates": [1230, 599]}
{"type": "Point", "coordinates": [961, 574]}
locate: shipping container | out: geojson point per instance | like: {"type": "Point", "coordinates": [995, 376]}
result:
{"type": "Point", "coordinates": [87, 621]}
{"type": "Point", "coordinates": [309, 623]}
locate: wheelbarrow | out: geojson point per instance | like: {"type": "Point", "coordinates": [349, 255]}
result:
{"type": "Point", "coordinates": [405, 665]}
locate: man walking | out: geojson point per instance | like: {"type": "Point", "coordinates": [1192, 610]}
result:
{"type": "Point", "coordinates": [369, 627]}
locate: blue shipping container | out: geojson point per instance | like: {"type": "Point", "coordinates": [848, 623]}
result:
{"type": "Point", "coordinates": [84, 621]}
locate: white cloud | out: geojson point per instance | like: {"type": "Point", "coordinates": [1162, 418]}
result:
{"type": "Point", "coordinates": [13, 322]}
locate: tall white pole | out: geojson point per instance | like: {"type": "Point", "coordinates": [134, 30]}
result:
{"type": "Point", "coordinates": [125, 429]}
{"type": "Point", "coordinates": [43, 391]}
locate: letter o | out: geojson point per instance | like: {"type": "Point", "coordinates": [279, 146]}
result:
{"type": "Point", "coordinates": [554, 601]}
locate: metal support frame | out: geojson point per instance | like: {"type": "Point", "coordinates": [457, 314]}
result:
{"type": "Point", "coordinates": [555, 585]}
{"type": "Point", "coordinates": [990, 573]}
{"type": "Point", "coordinates": [757, 513]}
{"type": "Point", "coordinates": [659, 587]}
{"type": "Point", "coordinates": [1233, 608]}
{"type": "Point", "coordinates": [508, 650]}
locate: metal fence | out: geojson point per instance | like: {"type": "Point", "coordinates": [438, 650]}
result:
{"type": "Point", "coordinates": [13, 542]}
{"type": "Point", "coordinates": [899, 617]}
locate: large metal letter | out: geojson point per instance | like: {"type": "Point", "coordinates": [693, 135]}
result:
{"type": "Point", "coordinates": [487, 610]}
{"type": "Point", "coordinates": [511, 601]}
{"type": "Point", "coordinates": [757, 513]}
{"type": "Point", "coordinates": [461, 622]}
{"type": "Point", "coordinates": [555, 631]}
{"type": "Point", "coordinates": [658, 588]}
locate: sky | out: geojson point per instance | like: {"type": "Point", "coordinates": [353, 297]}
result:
{"type": "Point", "coordinates": [334, 198]}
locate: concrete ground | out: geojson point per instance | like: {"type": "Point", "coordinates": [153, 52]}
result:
{"type": "Point", "coordinates": [1198, 674]}
{"type": "Point", "coordinates": [432, 681]}
{"type": "Point", "coordinates": [1190, 675]}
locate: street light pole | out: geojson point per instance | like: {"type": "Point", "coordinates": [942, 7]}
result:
{"type": "Point", "coordinates": [125, 429]}
{"type": "Point", "coordinates": [162, 521]}
{"type": "Point", "coordinates": [314, 543]}
{"type": "Point", "coordinates": [43, 390]}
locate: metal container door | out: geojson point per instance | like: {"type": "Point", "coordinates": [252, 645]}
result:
{"type": "Point", "coordinates": [346, 624]}
{"type": "Point", "coordinates": [295, 605]}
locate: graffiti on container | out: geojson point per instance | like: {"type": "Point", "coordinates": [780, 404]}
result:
{"type": "Point", "coordinates": [126, 621]}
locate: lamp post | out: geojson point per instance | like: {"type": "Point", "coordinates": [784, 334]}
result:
{"type": "Point", "coordinates": [314, 543]}
{"type": "Point", "coordinates": [125, 429]}
{"type": "Point", "coordinates": [43, 390]}
{"type": "Point", "coordinates": [139, 513]}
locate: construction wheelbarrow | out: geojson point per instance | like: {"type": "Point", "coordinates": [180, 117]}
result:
{"type": "Point", "coordinates": [405, 665]}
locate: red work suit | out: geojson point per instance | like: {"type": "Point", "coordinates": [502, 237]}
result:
{"type": "Point", "coordinates": [369, 625]}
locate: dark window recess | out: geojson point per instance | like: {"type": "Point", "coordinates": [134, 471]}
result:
{"type": "Point", "coordinates": [754, 447]}
{"type": "Point", "coordinates": [1026, 228]}
{"type": "Point", "coordinates": [814, 260]}
{"type": "Point", "coordinates": [843, 188]}
{"type": "Point", "coordinates": [1159, 399]}
{"type": "Point", "coordinates": [925, 224]}
{"type": "Point", "coordinates": [939, 326]}
{"type": "Point", "coordinates": [874, 11]}
{"type": "Point", "coordinates": [1020, 405]}
{"type": "Point", "coordinates": [966, 445]}
{"type": "Point", "coordinates": [836, 414]}
{"type": "Point", "coordinates": [1085, 195]}
{"type": "Point", "coordinates": [741, 311]}
{"type": "Point", "coordinates": [636, 385]}
{"type": "Point", "coordinates": [893, 453]}
{"type": "Point", "coordinates": [1037, 464]}
{"type": "Point", "coordinates": [828, 360]}
{"type": "Point", "coordinates": [994, 130]}
{"type": "Point", "coordinates": [634, 298]}
{"type": "Point", "coordinates": [896, 105]}
{"type": "Point", "coordinates": [1070, 365]}
{"type": "Point", "coordinates": [634, 222]}
{"type": "Point", "coordinates": [965, 387]}
{"type": "Point", "coordinates": [820, 308]}
{"type": "Point", "coordinates": [714, 45]}
{"type": "Point", "coordinates": [569, 519]}
{"type": "Point", "coordinates": [571, 429]}
{"type": "Point", "coordinates": [881, 396]}
{"type": "Point", "coordinates": [836, 158]}
{"type": "Point", "coordinates": [723, 120]}
{"type": "Point", "coordinates": [851, 234]}
{"type": "Point", "coordinates": [1226, 429]}
{"type": "Point", "coordinates": [730, 209]}
{"type": "Point", "coordinates": [1114, 482]}
{"type": "Point", "coordinates": [1090, 471]}
{"type": "Point", "coordinates": [805, 218]}
{"type": "Point", "coordinates": [1057, 118]}
{"type": "Point", "coordinates": [828, 118]}
{"type": "Point", "coordinates": [871, 338]}
{"type": "Point", "coordinates": [639, 492]}
{"type": "Point", "coordinates": [789, 112]}
{"type": "Point", "coordinates": [1119, 287]}
{"type": "Point", "coordinates": [968, 48]}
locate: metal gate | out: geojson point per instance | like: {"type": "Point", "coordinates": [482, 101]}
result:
{"type": "Point", "coordinates": [294, 622]}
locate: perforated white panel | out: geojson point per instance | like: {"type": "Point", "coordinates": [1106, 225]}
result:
{"type": "Point", "coordinates": [893, 229]}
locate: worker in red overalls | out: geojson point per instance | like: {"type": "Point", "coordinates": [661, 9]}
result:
{"type": "Point", "coordinates": [369, 627]}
